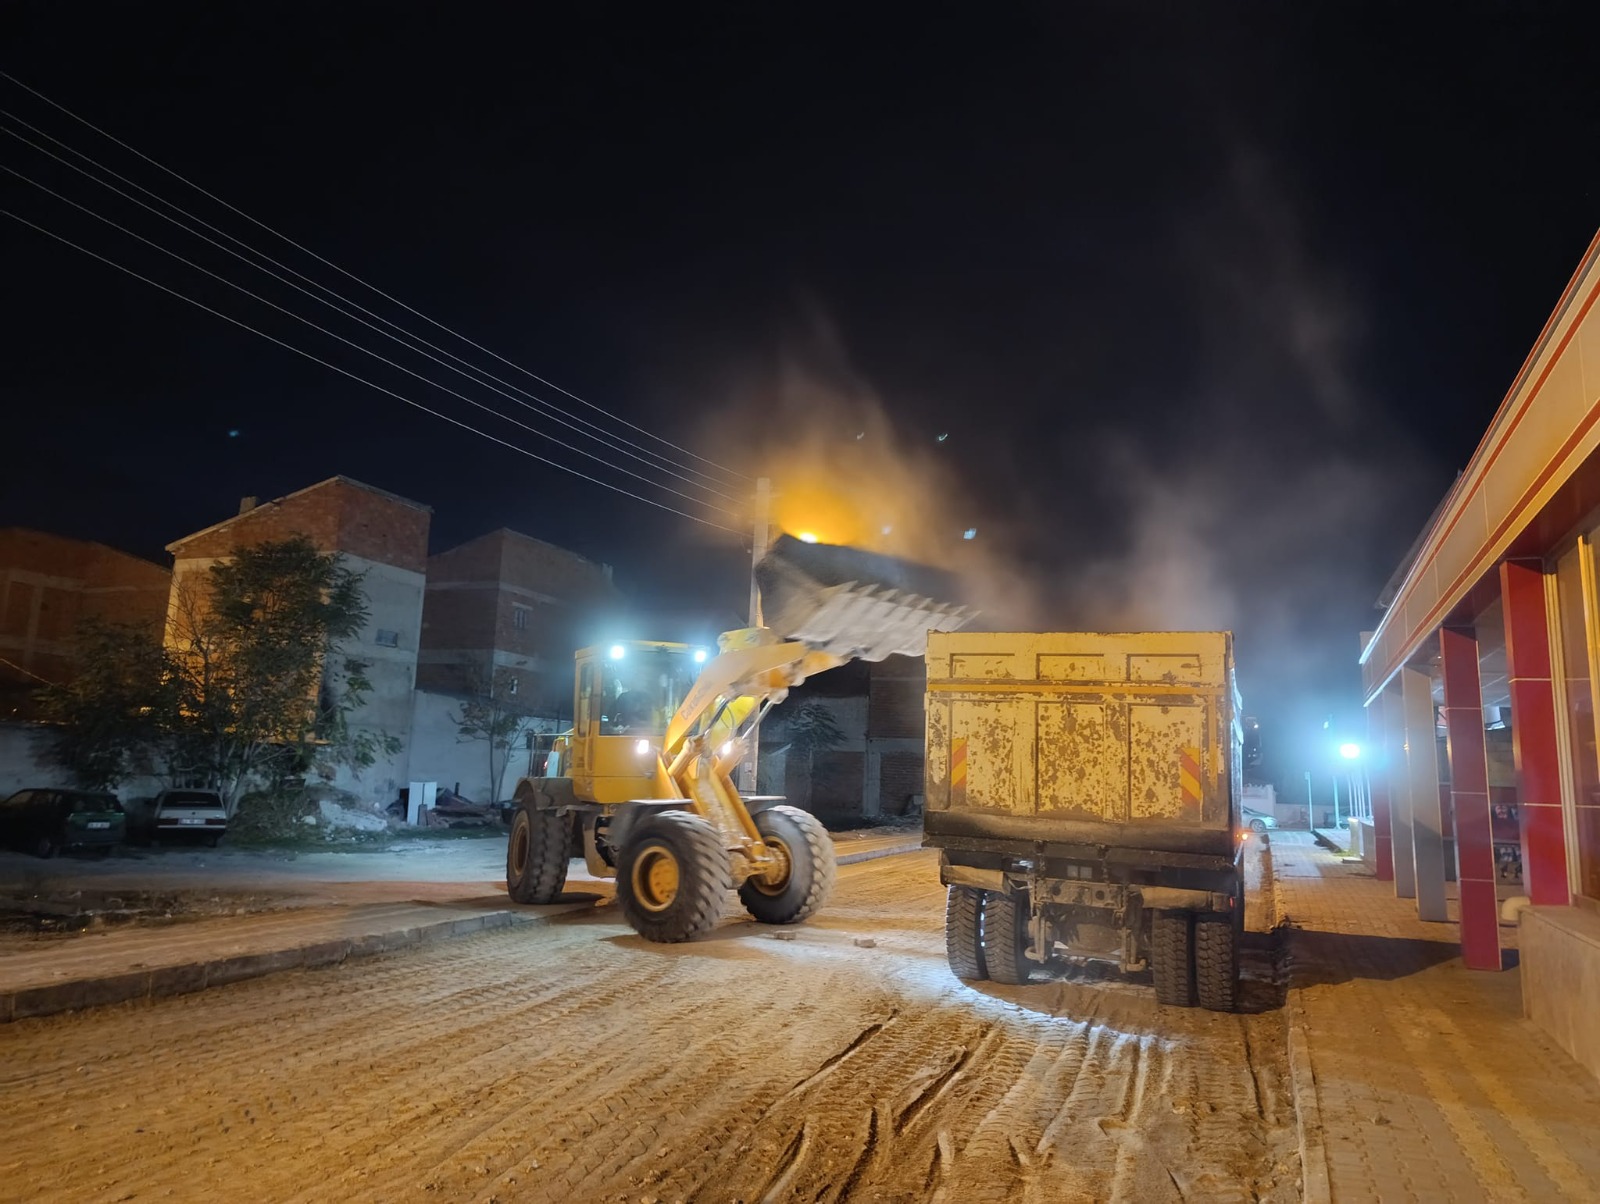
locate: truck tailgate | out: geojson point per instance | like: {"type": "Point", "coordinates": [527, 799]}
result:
{"type": "Point", "coordinates": [1122, 738]}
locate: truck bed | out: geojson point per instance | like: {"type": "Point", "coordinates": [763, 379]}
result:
{"type": "Point", "coordinates": [1088, 739]}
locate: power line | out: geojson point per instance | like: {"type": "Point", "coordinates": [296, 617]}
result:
{"type": "Point", "coordinates": [543, 408]}
{"type": "Point", "coordinates": [329, 263]}
{"type": "Point", "coordinates": [351, 343]}
{"type": "Point", "coordinates": [363, 380]}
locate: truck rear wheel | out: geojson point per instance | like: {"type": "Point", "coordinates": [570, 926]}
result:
{"type": "Point", "coordinates": [673, 877]}
{"type": "Point", "coordinates": [803, 847]}
{"type": "Point", "coordinates": [537, 853]}
{"type": "Point", "coordinates": [1005, 937]}
{"type": "Point", "coordinates": [1171, 960]}
{"type": "Point", "coordinates": [1216, 961]}
{"type": "Point", "coordinates": [963, 933]}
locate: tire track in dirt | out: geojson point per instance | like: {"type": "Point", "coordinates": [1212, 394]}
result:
{"type": "Point", "coordinates": [574, 1063]}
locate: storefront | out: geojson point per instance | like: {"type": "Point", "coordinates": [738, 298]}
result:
{"type": "Point", "coordinates": [1492, 642]}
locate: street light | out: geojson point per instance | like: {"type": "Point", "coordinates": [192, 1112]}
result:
{"type": "Point", "coordinates": [1349, 751]}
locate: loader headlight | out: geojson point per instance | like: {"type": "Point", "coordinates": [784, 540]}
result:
{"type": "Point", "coordinates": [618, 652]}
{"type": "Point", "coordinates": [642, 747]}
{"type": "Point", "coordinates": [699, 656]}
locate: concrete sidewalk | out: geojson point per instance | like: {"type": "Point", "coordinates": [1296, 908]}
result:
{"type": "Point", "coordinates": [139, 962]}
{"type": "Point", "coordinates": [1426, 1081]}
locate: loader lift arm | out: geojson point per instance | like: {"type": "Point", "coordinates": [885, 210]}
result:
{"type": "Point", "coordinates": [666, 817]}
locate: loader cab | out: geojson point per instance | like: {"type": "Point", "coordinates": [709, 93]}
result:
{"type": "Point", "coordinates": [625, 694]}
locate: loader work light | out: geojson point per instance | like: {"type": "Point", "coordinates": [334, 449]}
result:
{"type": "Point", "coordinates": [618, 652]}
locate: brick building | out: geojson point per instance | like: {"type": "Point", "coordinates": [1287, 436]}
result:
{"type": "Point", "coordinates": [510, 605]}
{"type": "Point", "coordinates": [375, 533]}
{"type": "Point", "coordinates": [1481, 680]}
{"type": "Point", "coordinates": [48, 585]}
{"type": "Point", "coordinates": [877, 768]}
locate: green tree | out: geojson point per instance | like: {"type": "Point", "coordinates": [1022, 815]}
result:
{"type": "Point", "coordinates": [811, 729]}
{"type": "Point", "coordinates": [260, 683]}
{"type": "Point", "coordinates": [496, 717]}
{"type": "Point", "coordinates": [113, 719]}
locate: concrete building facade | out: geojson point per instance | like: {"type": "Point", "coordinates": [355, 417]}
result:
{"type": "Point", "coordinates": [48, 585]}
{"type": "Point", "coordinates": [383, 537]}
{"type": "Point", "coordinates": [510, 606]}
{"type": "Point", "coordinates": [1491, 638]}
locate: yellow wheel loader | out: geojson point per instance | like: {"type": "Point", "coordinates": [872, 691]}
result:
{"type": "Point", "coordinates": [642, 784]}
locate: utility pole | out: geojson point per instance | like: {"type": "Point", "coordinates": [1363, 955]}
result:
{"type": "Point", "coordinates": [761, 537]}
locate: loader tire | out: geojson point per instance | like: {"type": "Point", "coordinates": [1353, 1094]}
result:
{"type": "Point", "coordinates": [673, 877]}
{"type": "Point", "coordinates": [1171, 957]}
{"type": "Point", "coordinates": [1005, 937]}
{"type": "Point", "coordinates": [963, 933]}
{"type": "Point", "coordinates": [1216, 961]}
{"type": "Point", "coordinates": [803, 844]}
{"type": "Point", "coordinates": [537, 852]}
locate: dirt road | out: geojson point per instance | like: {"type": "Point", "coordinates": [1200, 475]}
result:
{"type": "Point", "coordinates": [575, 1062]}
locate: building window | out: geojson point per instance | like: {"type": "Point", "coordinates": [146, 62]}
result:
{"type": "Point", "coordinates": [511, 685]}
{"type": "Point", "coordinates": [387, 638]}
{"type": "Point", "coordinates": [519, 617]}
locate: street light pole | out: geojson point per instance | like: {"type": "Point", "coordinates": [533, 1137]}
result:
{"type": "Point", "coordinates": [761, 537]}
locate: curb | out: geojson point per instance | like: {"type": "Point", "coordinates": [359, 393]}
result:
{"type": "Point", "coordinates": [189, 977]}
{"type": "Point", "coordinates": [893, 850]}
{"type": "Point", "coordinates": [1315, 1187]}
{"type": "Point", "coordinates": [186, 978]}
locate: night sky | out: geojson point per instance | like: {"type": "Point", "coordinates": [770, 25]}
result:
{"type": "Point", "coordinates": [1211, 302]}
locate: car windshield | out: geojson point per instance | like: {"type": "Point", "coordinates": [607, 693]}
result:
{"type": "Point", "coordinates": [641, 690]}
{"type": "Point", "coordinates": [85, 804]}
{"type": "Point", "coordinates": [191, 798]}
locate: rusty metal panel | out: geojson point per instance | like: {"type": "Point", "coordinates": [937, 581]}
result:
{"type": "Point", "coordinates": [1082, 754]}
{"type": "Point", "coordinates": [983, 756]}
{"type": "Point", "coordinates": [1105, 728]}
{"type": "Point", "coordinates": [1166, 762]}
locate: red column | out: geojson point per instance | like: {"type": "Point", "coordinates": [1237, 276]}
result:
{"type": "Point", "coordinates": [1533, 732]}
{"type": "Point", "coordinates": [1469, 796]}
{"type": "Point", "coordinates": [1378, 770]}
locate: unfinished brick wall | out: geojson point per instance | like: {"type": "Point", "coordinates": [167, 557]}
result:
{"type": "Point", "coordinates": [49, 584]}
{"type": "Point", "coordinates": [337, 515]}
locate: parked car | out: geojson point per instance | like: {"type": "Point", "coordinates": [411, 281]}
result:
{"type": "Point", "coordinates": [1257, 821]}
{"type": "Point", "coordinates": [197, 813]}
{"type": "Point", "coordinates": [45, 820]}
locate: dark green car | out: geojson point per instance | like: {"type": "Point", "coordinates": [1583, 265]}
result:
{"type": "Point", "coordinates": [43, 821]}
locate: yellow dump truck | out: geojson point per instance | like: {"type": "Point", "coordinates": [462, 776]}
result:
{"type": "Point", "coordinates": [1083, 791]}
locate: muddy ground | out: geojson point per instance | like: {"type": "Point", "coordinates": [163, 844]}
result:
{"type": "Point", "coordinates": [575, 1062]}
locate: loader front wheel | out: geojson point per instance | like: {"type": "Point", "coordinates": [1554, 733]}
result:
{"type": "Point", "coordinates": [537, 853]}
{"type": "Point", "coordinates": [806, 867]}
{"type": "Point", "coordinates": [673, 877]}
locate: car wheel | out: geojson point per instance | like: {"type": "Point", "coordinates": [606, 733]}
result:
{"type": "Point", "coordinates": [44, 847]}
{"type": "Point", "coordinates": [1258, 825]}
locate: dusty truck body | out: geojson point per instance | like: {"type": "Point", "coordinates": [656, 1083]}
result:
{"type": "Point", "coordinates": [1083, 793]}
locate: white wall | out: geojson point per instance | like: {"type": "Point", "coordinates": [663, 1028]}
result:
{"type": "Point", "coordinates": [438, 754]}
{"type": "Point", "coordinates": [23, 764]}
{"type": "Point", "coordinates": [394, 603]}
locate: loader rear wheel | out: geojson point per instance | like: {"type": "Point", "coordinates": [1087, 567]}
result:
{"type": "Point", "coordinates": [537, 853]}
{"type": "Point", "coordinates": [963, 933]}
{"type": "Point", "coordinates": [1216, 961]}
{"type": "Point", "coordinates": [673, 877]}
{"type": "Point", "coordinates": [1171, 959]}
{"type": "Point", "coordinates": [1005, 937]}
{"type": "Point", "coordinates": [804, 849]}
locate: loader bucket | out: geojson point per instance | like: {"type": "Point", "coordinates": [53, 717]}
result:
{"type": "Point", "coordinates": [854, 604]}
